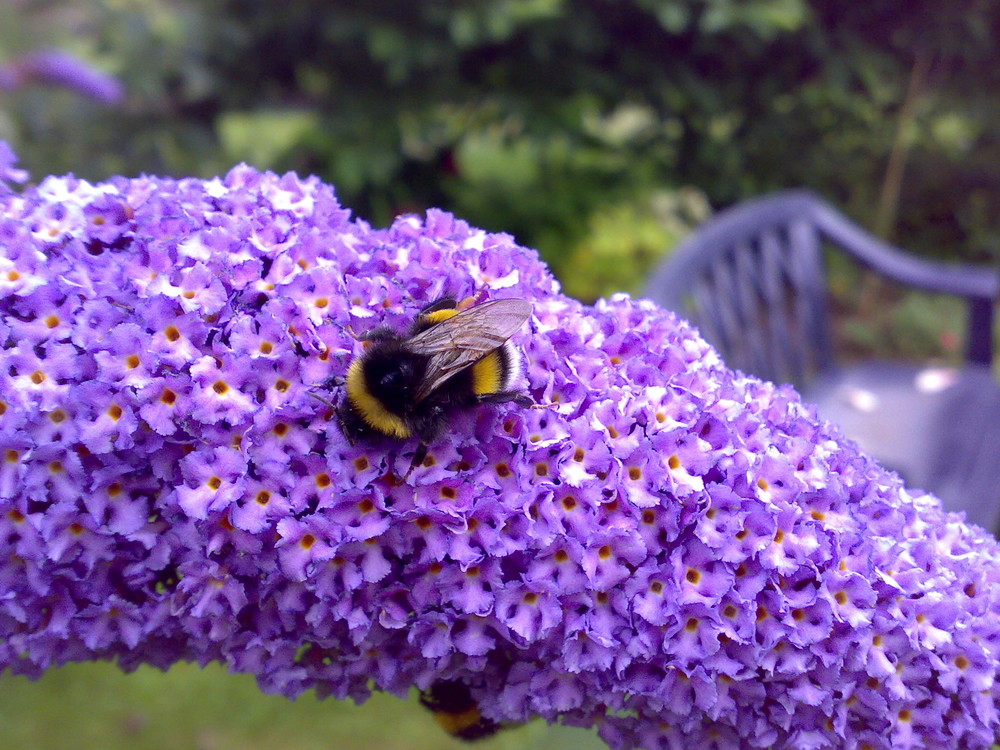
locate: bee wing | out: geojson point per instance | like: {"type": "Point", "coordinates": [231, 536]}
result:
{"type": "Point", "coordinates": [459, 341]}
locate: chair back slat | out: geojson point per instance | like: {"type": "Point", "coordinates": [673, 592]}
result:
{"type": "Point", "coordinates": [979, 347]}
{"type": "Point", "coordinates": [750, 336]}
{"type": "Point", "coordinates": [806, 257]}
{"type": "Point", "coordinates": [723, 300]}
{"type": "Point", "coordinates": [780, 287]}
{"type": "Point", "coordinates": [710, 316]}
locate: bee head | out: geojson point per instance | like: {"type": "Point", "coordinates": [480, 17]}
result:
{"type": "Point", "coordinates": [392, 374]}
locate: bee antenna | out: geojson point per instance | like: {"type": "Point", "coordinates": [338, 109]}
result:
{"type": "Point", "coordinates": [320, 398]}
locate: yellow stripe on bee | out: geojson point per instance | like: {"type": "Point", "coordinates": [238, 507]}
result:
{"type": "Point", "coordinates": [439, 315]}
{"type": "Point", "coordinates": [455, 723]}
{"type": "Point", "coordinates": [369, 407]}
{"type": "Point", "coordinates": [487, 374]}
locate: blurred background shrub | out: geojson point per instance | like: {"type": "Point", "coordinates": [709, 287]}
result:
{"type": "Point", "coordinates": [599, 131]}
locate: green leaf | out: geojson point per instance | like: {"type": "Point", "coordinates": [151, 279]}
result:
{"type": "Point", "coordinates": [262, 138]}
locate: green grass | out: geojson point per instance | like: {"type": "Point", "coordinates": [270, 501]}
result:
{"type": "Point", "coordinates": [97, 706]}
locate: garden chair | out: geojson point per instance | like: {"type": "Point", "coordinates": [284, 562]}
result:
{"type": "Point", "coordinates": [752, 279]}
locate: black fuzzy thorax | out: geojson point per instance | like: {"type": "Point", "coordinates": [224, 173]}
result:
{"type": "Point", "coordinates": [393, 375]}
{"type": "Point", "coordinates": [454, 703]}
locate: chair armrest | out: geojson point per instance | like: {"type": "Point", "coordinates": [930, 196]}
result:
{"type": "Point", "coordinates": [959, 279]}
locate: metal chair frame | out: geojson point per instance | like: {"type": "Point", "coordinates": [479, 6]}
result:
{"type": "Point", "coordinates": [753, 279]}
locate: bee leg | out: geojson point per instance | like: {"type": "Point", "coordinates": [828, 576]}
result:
{"type": "Point", "coordinates": [418, 458]}
{"type": "Point", "coordinates": [334, 381]}
{"type": "Point", "coordinates": [521, 399]}
{"type": "Point", "coordinates": [346, 430]}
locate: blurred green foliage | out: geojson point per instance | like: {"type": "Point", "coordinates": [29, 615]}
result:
{"type": "Point", "coordinates": [875, 315]}
{"type": "Point", "coordinates": [564, 123]}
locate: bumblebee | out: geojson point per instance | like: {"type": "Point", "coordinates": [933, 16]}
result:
{"type": "Point", "coordinates": [456, 712]}
{"type": "Point", "coordinates": [407, 386]}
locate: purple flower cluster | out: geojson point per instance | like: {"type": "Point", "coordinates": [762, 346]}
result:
{"type": "Point", "coordinates": [678, 554]}
{"type": "Point", "coordinates": [8, 172]}
{"type": "Point", "coordinates": [57, 68]}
